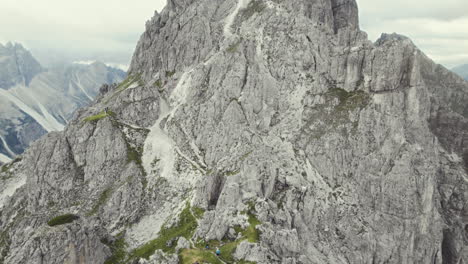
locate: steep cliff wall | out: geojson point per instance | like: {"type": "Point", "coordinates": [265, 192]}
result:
{"type": "Point", "coordinates": [272, 129]}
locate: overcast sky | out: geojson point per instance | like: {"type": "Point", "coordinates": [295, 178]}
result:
{"type": "Point", "coordinates": [109, 29]}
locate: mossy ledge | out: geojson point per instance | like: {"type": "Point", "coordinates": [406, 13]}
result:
{"type": "Point", "coordinates": [118, 249]}
{"type": "Point", "coordinates": [105, 195]}
{"type": "Point", "coordinates": [99, 116]}
{"type": "Point", "coordinates": [228, 247]}
{"type": "Point", "coordinates": [62, 219]}
{"type": "Point", "coordinates": [167, 237]}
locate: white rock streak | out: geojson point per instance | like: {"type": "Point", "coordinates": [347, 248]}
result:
{"type": "Point", "coordinates": [4, 158]}
{"type": "Point", "coordinates": [10, 188]}
{"type": "Point", "coordinates": [230, 19]}
{"type": "Point", "coordinates": [45, 119]}
{"type": "Point", "coordinates": [159, 151]}
{"type": "Point", "coordinates": [7, 148]}
{"type": "Point", "coordinates": [159, 148]}
{"type": "Point", "coordinates": [78, 83]}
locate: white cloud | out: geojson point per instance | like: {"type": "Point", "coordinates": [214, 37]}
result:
{"type": "Point", "coordinates": [108, 30]}
{"type": "Point", "coordinates": [85, 28]}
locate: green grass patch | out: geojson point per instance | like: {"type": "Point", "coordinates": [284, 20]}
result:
{"type": "Point", "coordinates": [105, 195]}
{"type": "Point", "coordinates": [125, 84]}
{"type": "Point", "coordinates": [349, 100]}
{"type": "Point", "coordinates": [118, 249]}
{"type": "Point", "coordinates": [169, 74]}
{"type": "Point", "coordinates": [5, 242]}
{"type": "Point", "coordinates": [232, 173]}
{"type": "Point", "coordinates": [333, 116]}
{"type": "Point", "coordinates": [62, 219]}
{"type": "Point", "coordinates": [198, 212]}
{"type": "Point", "coordinates": [167, 237]}
{"type": "Point", "coordinates": [227, 247]}
{"type": "Point", "coordinates": [190, 256]}
{"type": "Point", "coordinates": [99, 116]}
{"type": "Point", "coordinates": [129, 81]}
{"type": "Point", "coordinates": [159, 84]}
{"type": "Point", "coordinates": [134, 154]}
{"type": "Point", "coordinates": [251, 233]}
{"type": "Point", "coordinates": [227, 251]}
{"type": "Point", "coordinates": [245, 156]}
{"type": "Point", "coordinates": [8, 166]}
{"type": "Point", "coordinates": [233, 47]}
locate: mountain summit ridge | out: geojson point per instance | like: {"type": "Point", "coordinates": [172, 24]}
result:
{"type": "Point", "coordinates": [274, 130]}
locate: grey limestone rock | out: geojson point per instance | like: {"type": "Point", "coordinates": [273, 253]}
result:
{"type": "Point", "coordinates": [277, 119]}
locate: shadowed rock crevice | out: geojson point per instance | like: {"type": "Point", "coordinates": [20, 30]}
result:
{"type": "Point", "coordinates": [449, 250]}
{"type": "Point", "coordinates": [215, 188]}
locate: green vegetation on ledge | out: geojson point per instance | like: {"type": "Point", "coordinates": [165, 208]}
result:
{"type": "Point", "coordinates": [131, 79]}
{"type": "Point", "coordinates": [8, 166]}
{"type": "Point", "coordinates": [233, 47]}
{"type": "Point", "coordinates": [105, 195]}
{"type": "Point", "coordinates": [349, 100]}
{"type": "Point", "coordinates": [338, 114]}
{"type": "Point", "coordinates": [167, 237]}
{"type": "Point", "coordinates": [62, 220]}
{"type": "Point", "coordinates": [198, 212]}
{"type": "Point", "coordinates": [99, 116]}
{"type": "Point", "coordinates": [169, 74]}
{"type": "Point", "coordinates": [118, 249]}
{"type": "Point", "coordinates": [227, 247]}
{"type": "Point", "coordinates": [194, 255]}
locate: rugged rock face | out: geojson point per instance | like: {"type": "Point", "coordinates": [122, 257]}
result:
{"type": "Point", "coordinates": [271, 129]}
{"type": "Point", "coordinates": [34, 101]}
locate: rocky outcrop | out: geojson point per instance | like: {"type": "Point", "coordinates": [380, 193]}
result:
{"type": "Point", "coordinates": [273, 130]}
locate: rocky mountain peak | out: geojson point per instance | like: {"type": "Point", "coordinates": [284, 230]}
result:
{"type": "Point", "coordinates": [17, 65]}
{"type": "Point", "coordinates": [274, 130]}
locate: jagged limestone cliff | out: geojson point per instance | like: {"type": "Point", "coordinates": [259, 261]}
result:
{"type": "Point", "coordinates": [272, 129]}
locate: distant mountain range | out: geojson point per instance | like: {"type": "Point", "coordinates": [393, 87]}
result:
{"type": "Point", "coordinates": [35, 100]}
{"type": "Point", "coordinates": [462, 70]}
